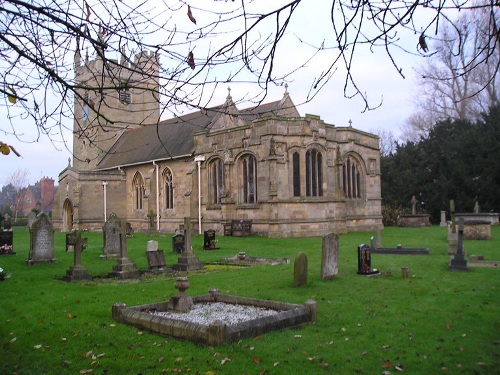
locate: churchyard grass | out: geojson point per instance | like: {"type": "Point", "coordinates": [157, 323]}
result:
{"type": "Point", "coordinates": [433, 322]}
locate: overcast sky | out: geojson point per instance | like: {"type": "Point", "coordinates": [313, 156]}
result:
{"type": "Point", "coordinates": [374, 73]}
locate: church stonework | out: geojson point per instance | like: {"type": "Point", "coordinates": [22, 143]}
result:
{"type": "Point", "coordinates": [291, 175]}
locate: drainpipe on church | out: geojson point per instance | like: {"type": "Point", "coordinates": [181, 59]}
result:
{"type": "Point", "coordinates": [157, 197]}
{"type": "Point", "coordinates": [199, 159]}
{"type": "Point", "coordinates": [104, 185]}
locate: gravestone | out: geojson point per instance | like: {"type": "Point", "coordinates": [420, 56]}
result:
{"type": "Point", "coordinates": [114, 236]}
{"type": "Point", "coordinates": [156, 258]}
{"type": "Point", "coordinates": [41, 241]}
{"type": "Point", "coordinates": [300, 270]}
{"type": "Point", "coordinates": [365, 261]}
{"type": "Point", "coordinates": [188, 261]}
{"type": "Point", "coordinates": [330, 257]}
{"type": "Point", "coordinates": [443, 222]}
{"type": "Point", "coordinates": [77, 272]}
{"type": "Point", "coordinates": [178, 242]}
{"type": "Point", "coordinates": [452, 232]}
{"type": "Point", "coordinates": [6, 242]}
{"type": "Point", "coordinates": [209, 241]}
{"type": "Point", "coordinates": [458, 262]}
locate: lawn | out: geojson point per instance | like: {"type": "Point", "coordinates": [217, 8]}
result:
{"type": "Point", "coordinates": [433, 322]}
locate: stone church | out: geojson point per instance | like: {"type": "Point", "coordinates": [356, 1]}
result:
{"type": "Point", "coordinates": [291, 175]}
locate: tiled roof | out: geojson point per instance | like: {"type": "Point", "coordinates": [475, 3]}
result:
{"type": "Point", "coordinates": [175, 137]}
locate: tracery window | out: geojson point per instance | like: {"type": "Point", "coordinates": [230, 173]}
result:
{"type": "Point", "coordinates": [249, 178]}
{"type": "Point", "coordinates": [216, 181]}
{"type": "Point", "coordinates": [314, 173]}
{"type": "Point", "coordinates": [138, 191]}
{"type": "Point", "coordinates": [351, 178]}
{"type": "Point", "coordinates": [168, 189]}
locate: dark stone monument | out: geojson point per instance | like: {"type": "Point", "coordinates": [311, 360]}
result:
{"type": "Point", "coordinates": [114, 236]}
{"type": "Point", "coordinates": [300, 270]}
{"type": "Point", "coordinates": [41, 241]}
{"type": "Point", "coordinates": [178, 242]}
{"type": "Point", "coordinates": [209, 241]}
{"type": "Point", "coordinates": [7, 222]}
{"type": "Point", "coordinates": [6, 242]}
{"type": "Point", "coordinates": [365, 261]}
{"type": "Point", "coordinates": [77, 272]}
{"type": "Point", "coordinates": [330, 256]}
{"type": "Point", "coordinates": [458, 262]}
{"type": "Point", "coordinates": [156, 258]}
{"type": "Point", "coordinates": [188, 261]}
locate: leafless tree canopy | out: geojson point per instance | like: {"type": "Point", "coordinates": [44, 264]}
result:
{"type": "Point", "coordinates": [202, 44]}
{"type": "Point", "coordinates": [459, 80]}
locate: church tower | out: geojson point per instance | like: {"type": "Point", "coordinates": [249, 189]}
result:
{"type": "Point", "coordinates": [111, 97]}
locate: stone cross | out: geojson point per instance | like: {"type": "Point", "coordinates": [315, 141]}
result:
{"type": "Point", "coordinates": [413, 205]}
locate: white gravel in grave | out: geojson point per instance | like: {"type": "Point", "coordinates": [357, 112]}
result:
{"type": "Point", "coordinates": [208, 313]}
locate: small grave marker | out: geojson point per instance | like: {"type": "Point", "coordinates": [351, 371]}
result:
{"type": "Point", "coordinates": [77, 272]}
{"type": "Point", "coordinates": [458, 262]}
{"type": "Point", "coordinates": [209, 241]}
{"type": "Point", "coordinates": [300, 270]}
{"type": "Point", "coordinates": [365, 261]}
{"type": "Point", "coordinates": [156, 258]}
{"type": "Point", "coordinates": [178, 243]}
{"type": "Point", "coordinates": [114, 237]}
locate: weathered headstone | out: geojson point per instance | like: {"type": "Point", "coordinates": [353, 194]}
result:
{"type": "Point", "coordinates": [458, 262]}
{"type": "Point", "coordinates": [77, 272]}
{"type": "Point", "coordinates": [365, 261]}
{"type": "Point", "coordinates": [188, 261]}
{"type": "Point", "coordinates": [300, 270]}
{"type": "Point", "coordinates": [41, 241]}
{"type": "Point", "coordinates": [178, 242]}
{"type": "Point", "coordinates": [330, 257]}
{"type": "Point", "coordinates": [443, 222]}
{"type": "Point", "coordinates": [452, 232]}
{"type": "Point", "coordinates": [114, 236]}
{"type": "Point", "coordinates": [209, 241]}
{"type": "Point", "coordinates": [156, 258]}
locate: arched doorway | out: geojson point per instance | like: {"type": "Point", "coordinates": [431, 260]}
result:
{"type": "Point", "coordinates": [67, 216]}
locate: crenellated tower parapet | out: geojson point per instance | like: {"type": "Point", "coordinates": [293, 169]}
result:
{"type": "Point", "coordinates": [111, 97]}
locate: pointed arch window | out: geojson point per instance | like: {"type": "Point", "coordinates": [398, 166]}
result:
{"type": "Point", "coordinates": [351, 178]}
{"type": "Point", "coordinates": [168, 189]}
{"type": "Point", "coordinates": [138, 191]}
{"type": "Point", "coordinates": [314, 173]}
{"type": "Point", "coordinates": [296, 174]}
{"type": "Point", "coordinates": [249, 178]}
{"type": "Point", "coordinates": [216, 184]}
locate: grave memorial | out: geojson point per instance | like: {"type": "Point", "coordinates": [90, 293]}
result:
{"type": "Point", "coordinates": [458, 262]}
{"type": "Point", "coordinates": [414, 220]}
{"type": "Point", "coordinates": [77, 272]}
{"type": "Point", "coordinates": [178, 242]}
{"type": "Point", "coordinates": [71, 239]}
{"type": "Point", "coordinates": [114, 236]}
{"type": "Point", "coordinates": [156, 258]}
{"type": "Point", "coordinates": [300, 270]}
{"type": "Point", "coordinates": [365, 261]}
{"type": "Point", "coordinates": [6, 237]}
{"type": "Point", "coordinates": [41, 241]}
{"type": "Point", "coordinates": [209, 241]}
{"type": "Point", "coordinates": [330, 256]}
{"type": "Point", "coordinates": [188, 261]}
